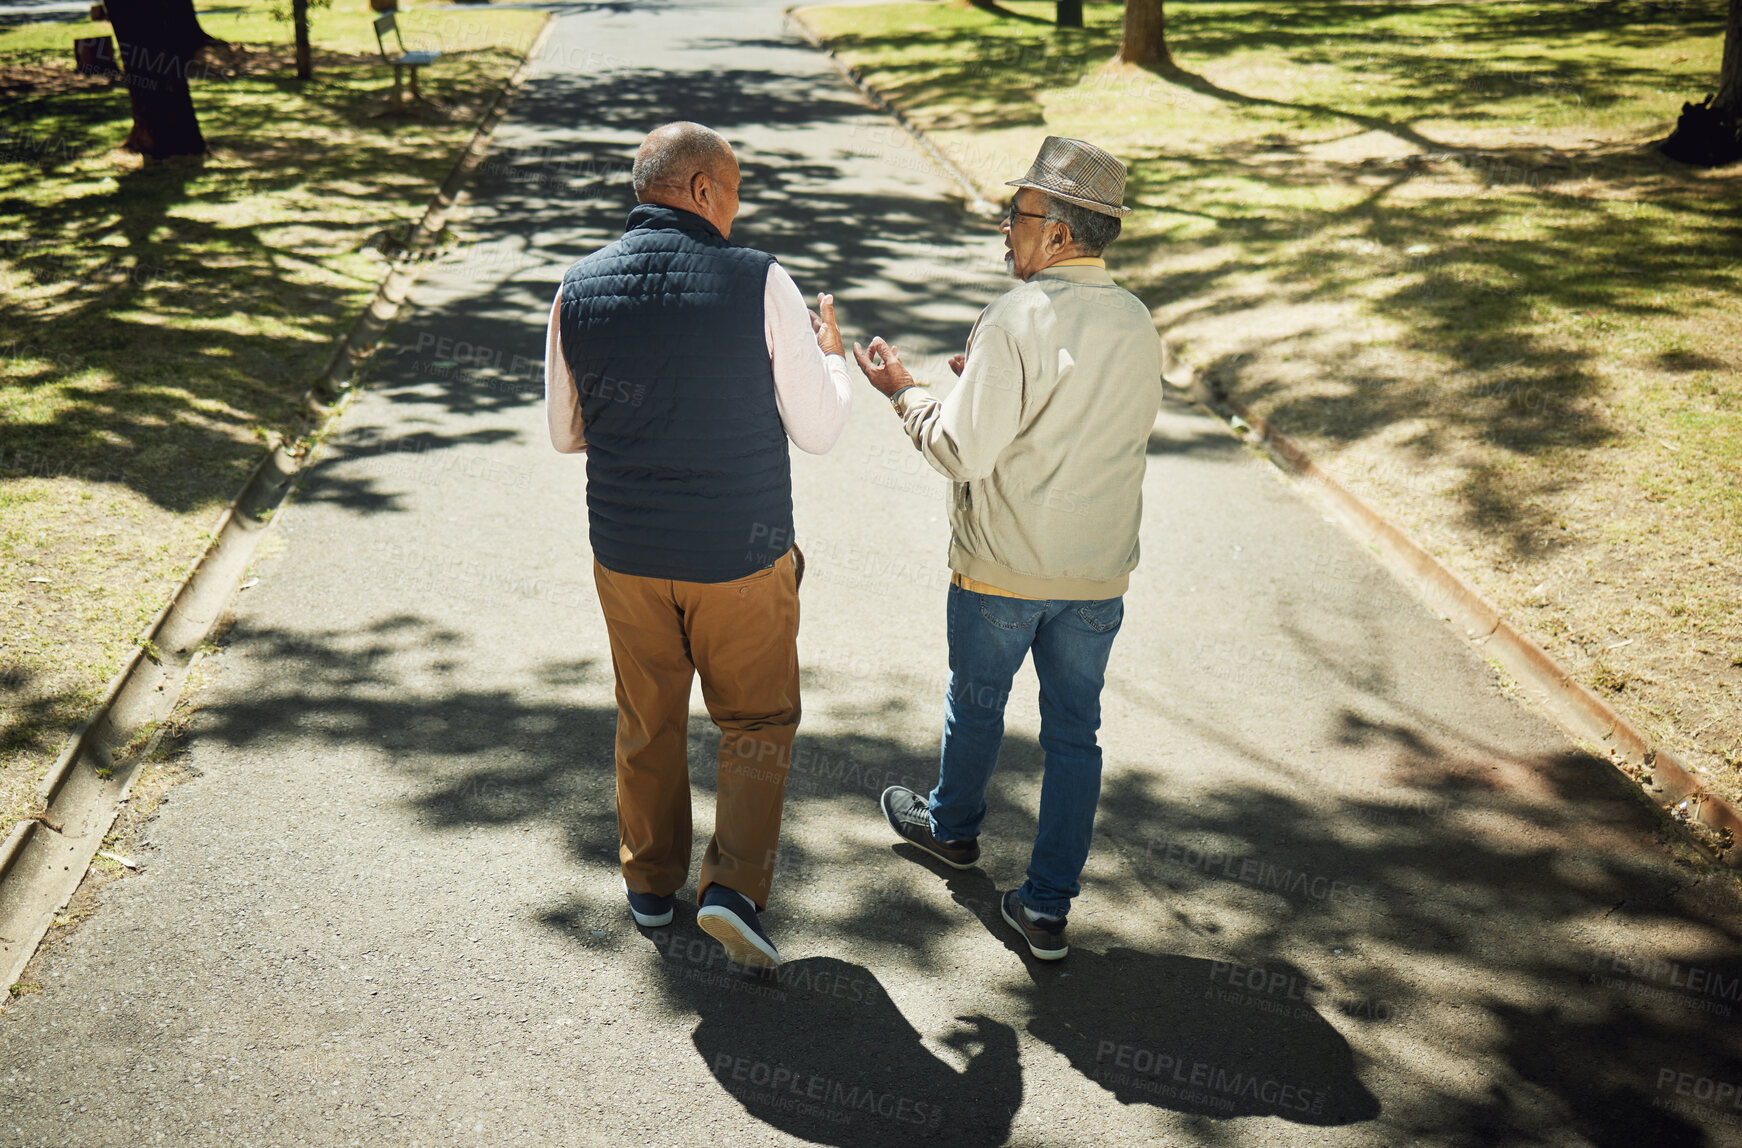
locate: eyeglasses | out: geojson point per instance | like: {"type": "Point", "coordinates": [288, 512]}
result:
{"type": "Point", "coordinates": [1011, 216]}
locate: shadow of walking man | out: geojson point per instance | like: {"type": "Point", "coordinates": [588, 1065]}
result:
{"type": "Point", "coordinates": [1213, 1038]}
{"type": "Point", "coordinates": [817, 1049]}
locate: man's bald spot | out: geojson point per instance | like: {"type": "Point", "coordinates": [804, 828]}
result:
{"type": "Point", "coordinates": [671, 156]}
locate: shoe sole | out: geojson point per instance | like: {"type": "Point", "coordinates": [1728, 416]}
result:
{"type": "Point", "coordinates": [1042, 954]}
{"type": "Point", "coordinates": [930, 852]}
{"type": "Point", "coordinates": [743, 946]}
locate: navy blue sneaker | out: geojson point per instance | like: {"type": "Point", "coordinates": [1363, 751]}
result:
{"type": "Point", "coordinates": [649, 909]}
{"type": "Point", "coordinates": [730, 918]}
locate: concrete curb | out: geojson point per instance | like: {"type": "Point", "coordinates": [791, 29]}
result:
{"type": "Point", "coordinates": [39, 872]}
{"type": "Point", "coordinates": [14, 845]}
{"type": "Point", "coordinates": [1582, 714]}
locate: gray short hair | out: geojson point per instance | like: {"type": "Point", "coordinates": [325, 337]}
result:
{"type": "Point", "coordinates": [671, 155]}
{"type": "Point", "coordinates": [1090, 230]}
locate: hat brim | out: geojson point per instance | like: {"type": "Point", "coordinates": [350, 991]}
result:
{"type": "Point", "coordinates": [1092, 205]}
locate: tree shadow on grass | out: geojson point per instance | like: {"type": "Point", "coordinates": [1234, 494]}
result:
{"type": "Point", "coordinates": [169, 321]}
{"type": "Point", "coordinates": [124, 335]}
{"type": "Point", "coordinates": [1473, 297]}
{"type": "Point", "coordinates": [999, 73]}
{"type": "Point", "coordinates": [1468, 292]}
{"type": "Point", "coordinates": [992, 7]}
{"type": "Point", "coordinates": [35, 712]}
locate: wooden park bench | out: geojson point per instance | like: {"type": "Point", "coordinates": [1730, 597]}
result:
{"type": "Point", "coordinates": [404, 61]}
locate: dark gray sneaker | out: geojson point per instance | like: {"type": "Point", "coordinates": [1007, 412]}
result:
{"type": "Point", "coordinates": [1046, 939]}
{"type": "Point", "coordinates": [908, 816]}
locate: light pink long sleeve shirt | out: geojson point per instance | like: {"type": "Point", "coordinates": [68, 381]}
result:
{"type": "Point", "coordinates": [811, 389]}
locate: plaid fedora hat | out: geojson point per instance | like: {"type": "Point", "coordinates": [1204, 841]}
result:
{"type": "Point", "coordinates": [1078, 173]}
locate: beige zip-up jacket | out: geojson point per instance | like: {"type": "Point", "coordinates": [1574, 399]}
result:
{"type": "Point", "coordinates": [1046, 435]}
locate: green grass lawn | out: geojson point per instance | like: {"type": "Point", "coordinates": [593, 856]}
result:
{"type": "Point", "coordinates": [1434, 243]}
{"type": "Point", "coordinates": [164, 320]}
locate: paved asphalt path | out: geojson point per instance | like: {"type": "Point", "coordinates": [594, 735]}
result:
{"type": "Point", "coordinates": [1345, 890]}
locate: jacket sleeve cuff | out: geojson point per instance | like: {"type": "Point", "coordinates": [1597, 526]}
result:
{"type": "Point", "coordinates": [909, 397]}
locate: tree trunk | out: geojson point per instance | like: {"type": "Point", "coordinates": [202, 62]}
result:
{"type": "Point", "coordinates": [157, 41]}
{"type": "Point", "coordinates": [305, 64]}
{"type": "Point", "coordinates": [1729, 99]}
{"type": "Point", "coordinates": [1145, 39]}
{"type": "Point", "coordinates": [1070, 14]}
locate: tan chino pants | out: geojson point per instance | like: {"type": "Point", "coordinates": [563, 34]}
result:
{"type": "Point", "coordinates": [742, 637]}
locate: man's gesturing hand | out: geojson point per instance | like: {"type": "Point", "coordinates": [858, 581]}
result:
{"type": "Point", "coordinates": [882, 366]}
{"type": "Point", "coordinates": [828, 334]}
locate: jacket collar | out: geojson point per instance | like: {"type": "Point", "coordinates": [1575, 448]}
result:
{"type": "Point", "coordinates": [1075, 273]}
{"type": "Point", "coordinates": [659, 217]}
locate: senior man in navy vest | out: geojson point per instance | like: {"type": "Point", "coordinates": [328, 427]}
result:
{"type": "Point", "coordinates": [1045, 438]}
{"type": "Point", "coordinates": [682, 364]}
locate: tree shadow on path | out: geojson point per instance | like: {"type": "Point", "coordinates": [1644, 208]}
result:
{"type": "Point", "coordinates": [1521, 962]}
{"type": "Point", "coordinates": [1212, 1038]}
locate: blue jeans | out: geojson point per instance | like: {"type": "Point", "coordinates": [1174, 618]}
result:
{"type": "Point", "coordinates": [989, 636]}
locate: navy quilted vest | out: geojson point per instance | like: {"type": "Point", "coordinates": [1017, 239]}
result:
{"type": "Point", "coordinates": [688, 475]}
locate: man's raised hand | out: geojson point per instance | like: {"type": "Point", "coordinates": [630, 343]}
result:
{"type": "Point", "coordinates": [882, 366]}
{"type": "Point", "coordinates": [828, 333]}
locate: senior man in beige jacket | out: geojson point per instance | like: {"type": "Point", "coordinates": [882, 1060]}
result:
{"type": "Point", "coordinates": [1044, 438]}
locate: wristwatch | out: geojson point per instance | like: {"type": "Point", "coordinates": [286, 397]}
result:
{"type": "Point", "coordinates": [895, 399]}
